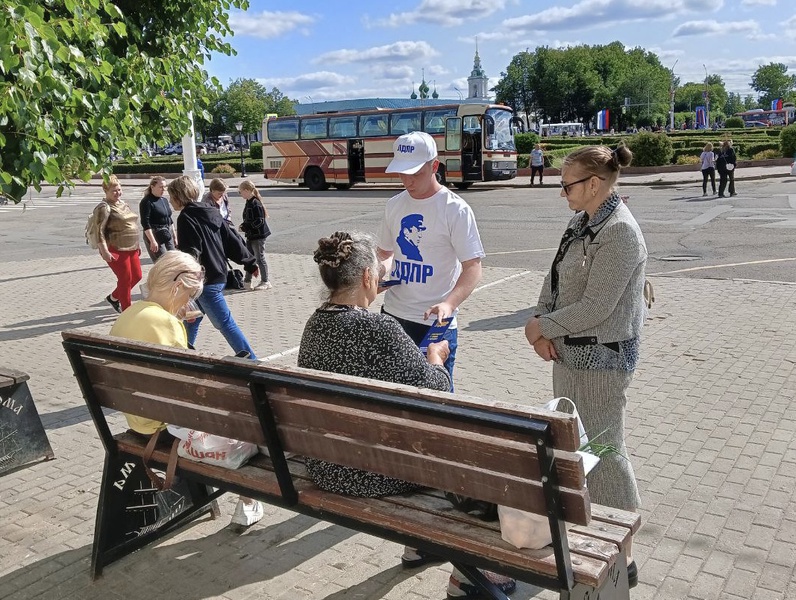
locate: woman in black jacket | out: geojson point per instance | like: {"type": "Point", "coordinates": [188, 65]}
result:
{"type": "Point", "coordinates": [202, 232]}
{"type": "Point", "coordinates": [725, 165]}
{"type": "Point", "coordinates": [255, 227]}
{"type": "Point", "coordinates": [159, 232]}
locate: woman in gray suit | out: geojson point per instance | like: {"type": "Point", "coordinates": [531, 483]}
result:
{"type": "Point", "coordinates": [591, 311]}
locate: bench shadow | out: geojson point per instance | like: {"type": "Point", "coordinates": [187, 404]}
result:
{"type": "Point", "coordinates": [191, 569]}
{"type": "Point", "coordinates": [510, 321]}
{"type": "Point", "coordinates": [23, 330]}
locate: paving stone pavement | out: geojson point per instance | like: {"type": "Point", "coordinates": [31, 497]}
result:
{"type": "Point", "coordinates": [711, 434]}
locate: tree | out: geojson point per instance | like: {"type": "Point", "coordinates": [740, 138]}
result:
{"type": "Point", "coordinates": [572, 84]}
{"type": "Point", "coordinates": [772, 82]}
{"type": "Point", "coordinates": [80, 79]}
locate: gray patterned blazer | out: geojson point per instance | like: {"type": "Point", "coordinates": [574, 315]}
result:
{"type": "Point", "coordinates": [600, 284]}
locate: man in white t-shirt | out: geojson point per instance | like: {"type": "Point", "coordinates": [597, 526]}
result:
{"type": "Point", "coordinates": [429, 240]}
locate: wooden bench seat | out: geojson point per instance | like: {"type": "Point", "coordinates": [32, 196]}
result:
{"type": "Point", "coordinates": [493, 451]}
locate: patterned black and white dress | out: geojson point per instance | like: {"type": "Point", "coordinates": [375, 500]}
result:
{"type": "Point", "coordinates": [352, 341]}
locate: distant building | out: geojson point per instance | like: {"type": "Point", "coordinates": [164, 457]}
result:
{"type": "Point", "coordinates": [477, 82]}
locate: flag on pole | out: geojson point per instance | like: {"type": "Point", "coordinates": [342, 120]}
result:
{"type": "Point", "coordinates": [604, 120]}
{"type": "Point", "coordinates": [776, 104]}
{"type": "Point", "coordinates": [701, 117]}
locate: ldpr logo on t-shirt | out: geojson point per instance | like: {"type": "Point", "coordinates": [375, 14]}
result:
{"type": "Point", "coordinates": [409, 238]}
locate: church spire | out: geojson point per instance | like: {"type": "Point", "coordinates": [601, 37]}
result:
{"type": "Point", "coordinates": [477, 82]}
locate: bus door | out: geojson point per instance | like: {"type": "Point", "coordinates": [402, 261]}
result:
{"type": "Point", "coordinates": [472, 147]}
{"type": "Point", "coordinates": [356, 160]}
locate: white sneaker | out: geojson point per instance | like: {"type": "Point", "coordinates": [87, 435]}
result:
{"type": "Point", "coordinates": [264, 285]}
{"type": "Point", "coordinates": [247, 514]}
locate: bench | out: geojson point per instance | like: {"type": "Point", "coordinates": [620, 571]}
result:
{"type": "Point", "coordinates": [493, 451]}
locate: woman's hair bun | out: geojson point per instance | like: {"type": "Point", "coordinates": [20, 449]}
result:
{"type": "Point", "coordinates": [334, 250]}
{"type": "Point", "coordinates": [622, 156]}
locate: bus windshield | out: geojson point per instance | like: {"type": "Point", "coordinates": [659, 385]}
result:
{"type": "Point", "coordinates": [503, 136]}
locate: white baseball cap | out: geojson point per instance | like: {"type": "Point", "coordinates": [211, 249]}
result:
{"type": "Point", "coordinates": [411, 151]}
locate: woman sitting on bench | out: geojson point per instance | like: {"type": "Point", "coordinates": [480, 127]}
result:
{"type": "Point", "coordinates": [342, 336]}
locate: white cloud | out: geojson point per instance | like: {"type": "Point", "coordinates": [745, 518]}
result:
{"type": "Point", "coordinates": [268, 24]}
{"type": "Point", "coordinates": [591, 13]}
{"type": "Point", "coordinates": [396, 52]}
{"type": "Point", "coordinates": [447, 13]}
{"type": "Point", "coordinates": [402, 72]}
{"type": "Point", "coordinates": [716, 28]}
{"type": "Point", "coordinates": [310, 81]}
{"type": "Point", "coordinates": [759, 2]}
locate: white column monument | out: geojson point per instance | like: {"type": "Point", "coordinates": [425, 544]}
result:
{"type": "Point", "coordinates": [189, 158]}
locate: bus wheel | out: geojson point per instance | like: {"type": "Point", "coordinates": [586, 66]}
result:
{"type": "Point", "coordinates": [463, 185]}
{"type": "Point", "coordinates": [342, 186]}
{"type": "Point", "coordinates": [315, 180]}
{"type": "Point", "coordinates": [440, 175]}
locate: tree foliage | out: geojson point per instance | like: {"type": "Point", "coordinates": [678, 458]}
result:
{"type": "Point", "coordinates": [244, 101]}
{"type": "Point", "coordinates": [573, 84]}
{"type": "Point", "coordinates": [80, 79]}
{"type": "Point", "coordinates": [787, 141]}
{"type": "Point", "coordinates": [772, 82]}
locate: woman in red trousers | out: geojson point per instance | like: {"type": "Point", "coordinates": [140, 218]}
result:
{"type": "Point", "coordinates": [118, 243]}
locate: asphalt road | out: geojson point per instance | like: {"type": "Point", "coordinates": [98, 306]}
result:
{"type": "Point", "coordinates": [750, 236]}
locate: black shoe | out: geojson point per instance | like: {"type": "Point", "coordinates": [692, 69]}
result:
{"type": "Point", "coordinates": [632, 574]}
{"type": "Point", "coordinates": [117, 306]}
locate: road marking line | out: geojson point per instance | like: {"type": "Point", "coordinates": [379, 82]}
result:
{"type": "Point", "coordinates": [743, 264]}
{"type": "Point", "coordinates": [708, 215]}
{"type": "Point", "coordinates": [521, 251]}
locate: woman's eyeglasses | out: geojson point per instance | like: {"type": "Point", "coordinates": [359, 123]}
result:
{"type": "Point", "coordinates": [566, 186]}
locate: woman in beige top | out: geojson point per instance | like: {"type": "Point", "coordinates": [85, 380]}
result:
{"type": "Point", "coordinates": [118, 243]}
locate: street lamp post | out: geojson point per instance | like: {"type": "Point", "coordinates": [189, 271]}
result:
{"type": "Point", "coordinates": [239, 127]}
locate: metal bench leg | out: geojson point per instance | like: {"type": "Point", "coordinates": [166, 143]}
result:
{"type": "Point", "coordinates": [478, 578]}
{"type": "Point", "coordinates": [615, 587]}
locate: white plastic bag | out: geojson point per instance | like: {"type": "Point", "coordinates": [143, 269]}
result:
{"type": "Point", "coordinates": [524, 529]}
{"type": "Point", "coordinates": [212, 449]}
{"type": "Point", "coordinates": [589, 460]}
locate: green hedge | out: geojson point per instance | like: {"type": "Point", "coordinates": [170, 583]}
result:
{"type": "Point", "coordinates": [256, 150]}
{"type": "Point", "coordinates": [173, 166]}
{"type": "Point", "coordinates": [650, 149]}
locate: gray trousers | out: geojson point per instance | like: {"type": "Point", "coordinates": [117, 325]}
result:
{"type": "Point", "coordinates": [257, 248]}
{"type": "Point", "coordinates": [601, 398]}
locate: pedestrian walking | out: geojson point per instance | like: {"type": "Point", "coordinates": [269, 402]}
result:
{"type": "Point", "coordinates": [203, 233]}
{"type": "Point", "coordinates": [725, 165]}
{"type": "Point", "coordinates": [255, 227]}
{"type": "Point", "coordinates": [117, 242]}
{"type": "Point", "coordinates": [537, 163]}
{"type": "Point", "coordinates": [590, 314]}
{"type": "Point", "coordinates": [707, 159]}
{"type": "Point", "coordinates": [155, 211]}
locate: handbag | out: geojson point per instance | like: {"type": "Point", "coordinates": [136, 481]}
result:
{"type": "Point", "coordinates": [730, 167]}
{"type": "Point", "coordinates": [234, 278]}
{"type": "Point", "coordinates": [524, 529]}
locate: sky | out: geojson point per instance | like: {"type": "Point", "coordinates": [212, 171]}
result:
{"type": "Point", "coordinates": [338, 49]}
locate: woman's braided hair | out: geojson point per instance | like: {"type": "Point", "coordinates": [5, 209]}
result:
{"type": "Point", "coordinates": [343, 257]}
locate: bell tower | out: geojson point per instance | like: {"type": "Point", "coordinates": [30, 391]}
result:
{"type": "Point", "coordinates": [477, 82]}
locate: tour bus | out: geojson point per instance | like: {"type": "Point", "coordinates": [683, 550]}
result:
{"type": "Point", "coordinates": [785, 116]}
{"type": "Point", "coordinates": [475, 142]}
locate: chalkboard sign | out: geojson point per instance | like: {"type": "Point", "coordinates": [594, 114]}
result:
{"type": "Point", "coordinates": [22, 437]}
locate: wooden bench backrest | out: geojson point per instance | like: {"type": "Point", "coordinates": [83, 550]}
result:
{"type": "Point", "coordinates": [451, 442]}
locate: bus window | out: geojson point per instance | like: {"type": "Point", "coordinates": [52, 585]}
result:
{"type": "Point", "coordinates": [280, 131]}
{"type": "Point", "coordinates": [313, 129]}
{"type": "Point", "coordinates": [434, 120]}
{"type": "Point", "coordinates": [373, 125]}
{"type": "Point", "coordinates": [402, 123]}
{"type": "Point", "coordinates": [471, 124]}
{"type": "Point", "coordinates": [343, 127]}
